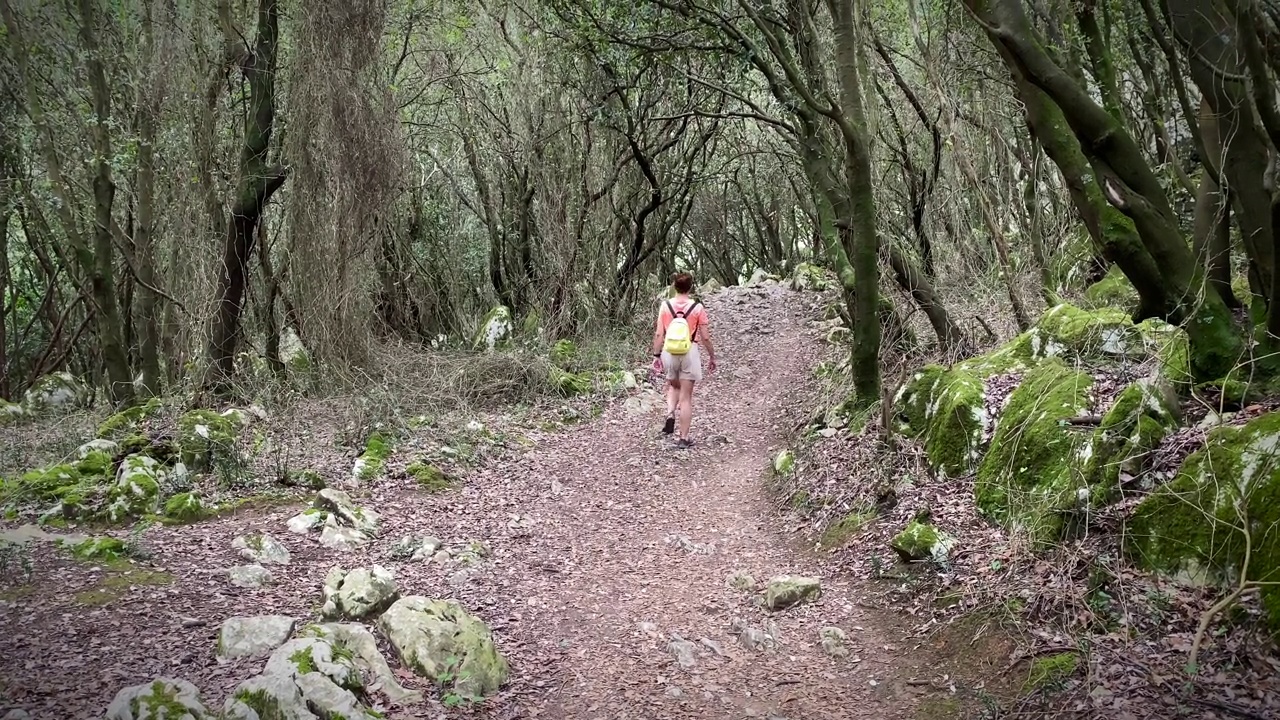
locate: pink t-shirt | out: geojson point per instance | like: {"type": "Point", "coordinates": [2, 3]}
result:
{"type": "Point", "coordinates": [696, 320]}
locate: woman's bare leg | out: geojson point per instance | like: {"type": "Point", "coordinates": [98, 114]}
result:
{"type": "Point", "coordinates": [686, 408]}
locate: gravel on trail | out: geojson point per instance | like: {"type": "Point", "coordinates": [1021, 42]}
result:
{"type": "Point", "coordinates": [622, 577]}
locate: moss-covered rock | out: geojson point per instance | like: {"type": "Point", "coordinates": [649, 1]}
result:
{"type": "Point", "coordinates": [1194, 526]}
{"type": "Point", "coordinates": [59, 391]}
{"type": "Point", "coordinates": [185, 507]}
{"type": "Point", "coordinates": [787, 591]}
{"type": "Point", "coordinates": [1029, 479]}
{"type": "Point", "coordinates": [784, 463]}
{"type": "Point", "coordinates": [1139, 418]}
{"type": "Point", "coordinates": [160, 699]}
{"type": "Point", "coordinates": [136, 491]}
{"type": "Point", "coordinates": [946, 409]}
{"type": "Point", "coordinates": [1101, 336]}
{"type": "Point", "coordinates": [204, 436]}
{"type": "Point", "coordinates": [12, 413]}
{"type": "Point", "coordinates": [129, 420]}
{"type": "Point", "coordinates": [100, 548]}
{"type": "Point", "coordinates": [922, 541]}
{"type": "Point", "coordinates": [373, 460]}
{"type": "Point", "coordinates": [494, 331]}
{"type": "Point", "coordinates": [808, 276]}
{"type": "Point", "coordinates": [441, 641]}
{"type": "Point", "coordinates": [1112, 291]}
{"type": "Point", "coordinates": [429, 477]}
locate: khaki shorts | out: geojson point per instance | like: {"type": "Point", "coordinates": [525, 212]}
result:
{"type": "Point", "coordinates": [684, 367]}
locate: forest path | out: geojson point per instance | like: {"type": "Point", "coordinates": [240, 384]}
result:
{"type": "Point", "coordinates": [605, 545]}
{"type": "Point", "coordinates": [634, 541]}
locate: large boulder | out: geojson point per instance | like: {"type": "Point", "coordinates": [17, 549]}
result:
{"type": "Point", "coordinates": [59, 391]}
{"type": "Point", "coordinates": [1028, 479]}
{"type": "Point", "coordinates": [1139, 418]}
{"type": "Point", "coordinates": [808, 276]}
{"type": "Point", "coordinates": [946, 409]}
{"type": "Point", "coordinates": [494, 331]}
{"type": "Point", "coordinates": [161, 699]}
{"type": "Point", "coordinates": [252, 636]}
{"type": "Point", "coordinates": [359, 593]}
{"type": "Point", "coordinates": [441, 641]}
{"type": "Point", "coordinates": [1194, 526]}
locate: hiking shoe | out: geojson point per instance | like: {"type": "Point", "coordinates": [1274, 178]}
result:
{"type": "Point", "coordinates": [684, 444]}
{"type": "Point", "coordinates": [669, 426]}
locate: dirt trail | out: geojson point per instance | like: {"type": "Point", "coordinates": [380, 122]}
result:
{"type": "Point", "coordinates": [611, 498]}
{"type": "Point", "coordinates": [586, 584]}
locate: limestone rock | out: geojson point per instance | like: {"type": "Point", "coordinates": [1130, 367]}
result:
{"type": "Point", "coordinates": [250, 576]}
{"type": "Point", "coordinates": [261, 549]}
{"type": "Point", "coordinates": [252, 636]}
{"type": "Point", "coordinates": [161, 699]}
{"type": "Point", "coordinates": [56, 391]}
{"type": "Point", "coordinates": [136, 491]}
{"type": "Point", "coordinates": [787, 591]}
{"type": "Point", "coordinates": [740, 580]}
{"type": "Point", "coordinates": [440, 640]}
{"type": "Point", "coordinates": [922, 541]}
{"type": "Point", "coordinates": [340, 505]}
{"type": "Point", "coordinates": [684, 652]}
{"type": "Point", "coordinates": [752, 638]}
{"type": "Point", "coordinates": [784, 462]}
{"type": "Point", "coordinates": [359, 593]}
{"type": "Point", "coordinates": [306, 521]}
{"type": "Point", "coordinates": [833, 641]}
{"type": "Point", "coordinates": [494, 331]}
{"type": "Point", "coordinates": [97, 445]}
{"type": "Point", "coordinates": [336, 537]}
{"type": "Point", "coordinates": [357, 638]}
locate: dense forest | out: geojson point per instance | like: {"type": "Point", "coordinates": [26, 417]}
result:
{"type": "Point", "coordinates": [187, 182]}
{"type": "Point", "coordinates": [1033, 243]}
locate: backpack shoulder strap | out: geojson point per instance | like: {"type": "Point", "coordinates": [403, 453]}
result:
{"type": "Point", "coordinates": [671, 309]}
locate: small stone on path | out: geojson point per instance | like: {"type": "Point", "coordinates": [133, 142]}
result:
{"type": "Point", "coordinates": [359, 593]}
{"type": "Point", "coordinates": [684, 652]}
{"type": "Point", "coordinates": [250, 576]}
{"type": "Point", "coordinates": [833, 641]}
{"type": "Point", "coordinates": [787, 591]}
{"type": "Point", "coordinates": [261, 549]}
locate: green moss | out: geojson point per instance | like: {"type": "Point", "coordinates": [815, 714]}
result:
{"type": "Point", "coordinates": [105, 548]}
{"type": "Point", "coordinates": [429, 477]}
{"type": "Point", "coordinates": [374, 458]}
{"type": "Point", "coordinates": [846, 527]}
{"type": "Point", "coordinates": [1231, 392]}
{"type": "Point", "coordinates": [1139, 418]}
{"type": "Point", "coordinates": [1193, 525]}
{"type": "Point", "coordinates": [161, 702]}
{"type": "Point", "coordinates": [571, 384]}
{"type": "Point", "coordinates": [784, 463]}
{"type": "Point", "coordinates": [263, 703]}
{"type": "Point", "coordinates": [563, 354]}
{"type": "Point", "coordinates": [305, 478]}
{"type": "Point", "coordinates": [1113, 291]}
{"type": "Point", "coordinates": [1029, 477]}
{"type": "Point", "coordinates": [922, 541]}
{"type": "Point", "coordinates": [946, 408]}
{"type": "Point", "coordinates": [303, 660]}
{"type": "Point", "coordinates": [126, 421]}
{"type": "Point", "coordinates": [96, 597]}
{"type": "Point", "coordinates": [184, 508]}
{"type": "Point", "coordinates": [203, 436]}
{"type": "Point", "coordinates": [1050, 670]}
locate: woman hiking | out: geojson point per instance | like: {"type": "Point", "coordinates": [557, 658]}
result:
{"type": "Point", "coordinates": [682, 325]}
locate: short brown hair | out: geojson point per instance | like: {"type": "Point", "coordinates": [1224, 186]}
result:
{"type": "Point", "coordinates": [682, 281]}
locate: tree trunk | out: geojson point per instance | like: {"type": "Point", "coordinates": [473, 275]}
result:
{"type": "Point", "coordinates": [254, 188]}
{"type": "Point", "coordinates": [110, 330]}
{"type": "Point", "coordinates": [143, 250]}
{"type": "Point", "coordinates": [858, 230]}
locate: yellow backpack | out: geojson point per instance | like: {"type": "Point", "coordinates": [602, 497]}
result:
{"type": "Point", "coordinates": [679, 338]}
